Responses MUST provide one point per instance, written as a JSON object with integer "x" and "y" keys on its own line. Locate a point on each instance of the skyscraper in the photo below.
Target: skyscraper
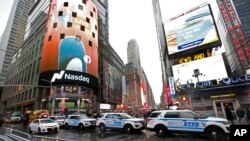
{"x": 133, "y": 53}
{"x": 234, "y": 18}
{"x": 243, "y": 11}
{"x": 14, "y": 33}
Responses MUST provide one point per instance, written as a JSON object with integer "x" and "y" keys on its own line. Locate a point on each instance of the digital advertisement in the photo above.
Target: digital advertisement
{"x": 194, "y": 28}
{"x": 71, "y": 39}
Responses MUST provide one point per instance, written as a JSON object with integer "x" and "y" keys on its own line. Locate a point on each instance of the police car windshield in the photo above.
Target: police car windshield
{"x": 84, "y": 116}
{"x": 126, "y": 116}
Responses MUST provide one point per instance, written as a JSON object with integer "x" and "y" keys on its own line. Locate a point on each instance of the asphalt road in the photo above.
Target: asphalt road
{"x": 96, "y": 135}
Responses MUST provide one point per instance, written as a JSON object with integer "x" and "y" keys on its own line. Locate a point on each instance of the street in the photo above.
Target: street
{"x": 96, "y": 135}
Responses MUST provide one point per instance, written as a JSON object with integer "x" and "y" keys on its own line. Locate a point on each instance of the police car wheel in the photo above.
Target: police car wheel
{"x": 66, "y": 126}
{"x": 128, "y": 129}
{"x": 214, "y": 133}
{"x": 161, "y": 131}
{"x": 102, "y": 127}
{"x": 80, "y": 126}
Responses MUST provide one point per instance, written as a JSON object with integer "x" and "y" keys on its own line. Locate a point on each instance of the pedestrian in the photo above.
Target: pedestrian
{"x": 1, "y": 120}
{"x": 229, "y": 114}
{"x": 25, "y": 119}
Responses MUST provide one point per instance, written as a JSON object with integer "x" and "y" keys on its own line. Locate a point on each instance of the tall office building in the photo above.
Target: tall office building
{"x": 234, "y": 17}
{"x": 133, "y": 53}
{"x": 14, "y": 33}
{"x": 243, "y": 12}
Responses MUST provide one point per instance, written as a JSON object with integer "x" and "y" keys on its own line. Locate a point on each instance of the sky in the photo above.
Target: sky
{"x": 133, "y": 19}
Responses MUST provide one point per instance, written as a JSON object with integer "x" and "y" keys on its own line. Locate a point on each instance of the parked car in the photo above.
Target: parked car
{"x": 121, "y": 121}
{"x": 43, "y": 125}
{"x": 15, "y": 118}
{"x": 58, "y": 119}
{"x": 79, "y": 121}
{"x": 165, "y": 122}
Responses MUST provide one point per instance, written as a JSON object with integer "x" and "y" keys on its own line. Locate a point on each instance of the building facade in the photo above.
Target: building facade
{"x": 35, "y": 90}
{"x": 232, "y": 90}
{"x": 13, "y": 34}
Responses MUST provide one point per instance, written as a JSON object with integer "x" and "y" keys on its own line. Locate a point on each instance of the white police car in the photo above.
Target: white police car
{"x": 186, "y": 121}
{"x": 80, "y": 121}
{"x": 120, "y": 121}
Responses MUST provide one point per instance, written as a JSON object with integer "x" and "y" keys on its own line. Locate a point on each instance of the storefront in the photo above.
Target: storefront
{"x": 210, "y": 97}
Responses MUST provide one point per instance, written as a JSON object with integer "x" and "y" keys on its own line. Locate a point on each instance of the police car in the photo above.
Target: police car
{"x": 185, "y": 121}
{"x": 79, "y": 121}
{"x": 121, "y": 121}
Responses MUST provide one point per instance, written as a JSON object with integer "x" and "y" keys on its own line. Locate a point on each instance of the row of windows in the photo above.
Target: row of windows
{"x": 66, "y": 4}
{"x": 78, "y": 38}
{"x": 24, "y": 96}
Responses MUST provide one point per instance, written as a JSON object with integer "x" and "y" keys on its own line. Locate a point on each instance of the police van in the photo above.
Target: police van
{"x": 165, "y": 122}
{"x": 121, "y": 121}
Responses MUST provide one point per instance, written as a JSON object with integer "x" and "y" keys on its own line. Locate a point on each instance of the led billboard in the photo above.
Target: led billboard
{"x": 112, "y": 84}
{"x": 191, "y": 29}
{"x": 71, "y": 39}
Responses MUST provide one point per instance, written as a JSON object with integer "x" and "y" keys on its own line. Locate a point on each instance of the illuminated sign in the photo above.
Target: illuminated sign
{"x": 71, "y": 39}
{"x": 236, "y": 33}
{"x": 191, "y": 29}
{"x": 216, "y": 82}
{"x": 196, "y": 56}
{"x": 68, "y": 77}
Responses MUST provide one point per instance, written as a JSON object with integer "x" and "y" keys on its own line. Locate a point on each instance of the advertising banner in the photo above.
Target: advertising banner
{"x": 71, "y": 38}
{"x": 167, "y": 95}
{"x": 112, "y": 84}
{"x": 194, "y": 28}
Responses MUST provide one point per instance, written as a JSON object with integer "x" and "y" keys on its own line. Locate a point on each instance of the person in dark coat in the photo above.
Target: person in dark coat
{"x": 229, "y": 114}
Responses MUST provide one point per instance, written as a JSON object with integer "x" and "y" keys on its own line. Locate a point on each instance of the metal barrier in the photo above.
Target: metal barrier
{"x": 42, "y": 138}
{"x": 16, "y": 135}
{"x": 4, "y": 130}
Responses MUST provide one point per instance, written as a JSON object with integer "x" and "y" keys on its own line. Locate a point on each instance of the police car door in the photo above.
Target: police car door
{"x": 190, "y": 122}
{"x": 109, "y": 120}
{"x": 73, "y": 121}
{"x": 171, "y": 121}
{"x": 118, "y": 122}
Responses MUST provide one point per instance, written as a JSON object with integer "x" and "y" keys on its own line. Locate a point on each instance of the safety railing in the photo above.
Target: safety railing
{"x": 42, "y": 138}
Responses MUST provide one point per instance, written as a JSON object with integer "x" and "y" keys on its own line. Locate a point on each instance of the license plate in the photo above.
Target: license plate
{"x": 52, "y": 128}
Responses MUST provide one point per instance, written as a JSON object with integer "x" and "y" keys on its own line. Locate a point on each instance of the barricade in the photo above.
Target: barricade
{"x": 42, "y": 138}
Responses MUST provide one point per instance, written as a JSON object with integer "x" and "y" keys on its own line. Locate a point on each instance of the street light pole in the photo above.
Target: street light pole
{"x": 53, "y": 99}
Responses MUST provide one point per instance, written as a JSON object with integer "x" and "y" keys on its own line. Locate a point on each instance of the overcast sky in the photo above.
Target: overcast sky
{"x": 133, "y": 19}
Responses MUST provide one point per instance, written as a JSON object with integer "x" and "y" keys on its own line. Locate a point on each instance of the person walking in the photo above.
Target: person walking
{"x": 229, "y": 114}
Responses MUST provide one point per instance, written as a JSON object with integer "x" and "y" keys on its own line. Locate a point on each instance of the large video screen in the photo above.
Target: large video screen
{"x": 71, "y": 38}
{"x": 194, "y": 28}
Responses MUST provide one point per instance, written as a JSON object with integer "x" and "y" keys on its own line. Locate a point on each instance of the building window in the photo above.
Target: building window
{"x": 54, "y": 25}
{"x": 93, "y": 34}
{"x": 50, "y": 38}
{"x": 62, "y": 36}
{"x": 78, "y": 38}
{"x": 66, "y": 4}
{"x": 82, "y": 28}
{"x": 90, "y": 43}
{"x": 80, "y": 7}
{"x": 87, "y": 20}
{"x": 94, "y": 9}
{"x": 84, "y": 1}
{"x": 69, "y": 24}
{"x": 91, "y": 14}
{"x": 74, "y": 14}
{"x": 60, "y": 13}
{"x": 95, "y": 27}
